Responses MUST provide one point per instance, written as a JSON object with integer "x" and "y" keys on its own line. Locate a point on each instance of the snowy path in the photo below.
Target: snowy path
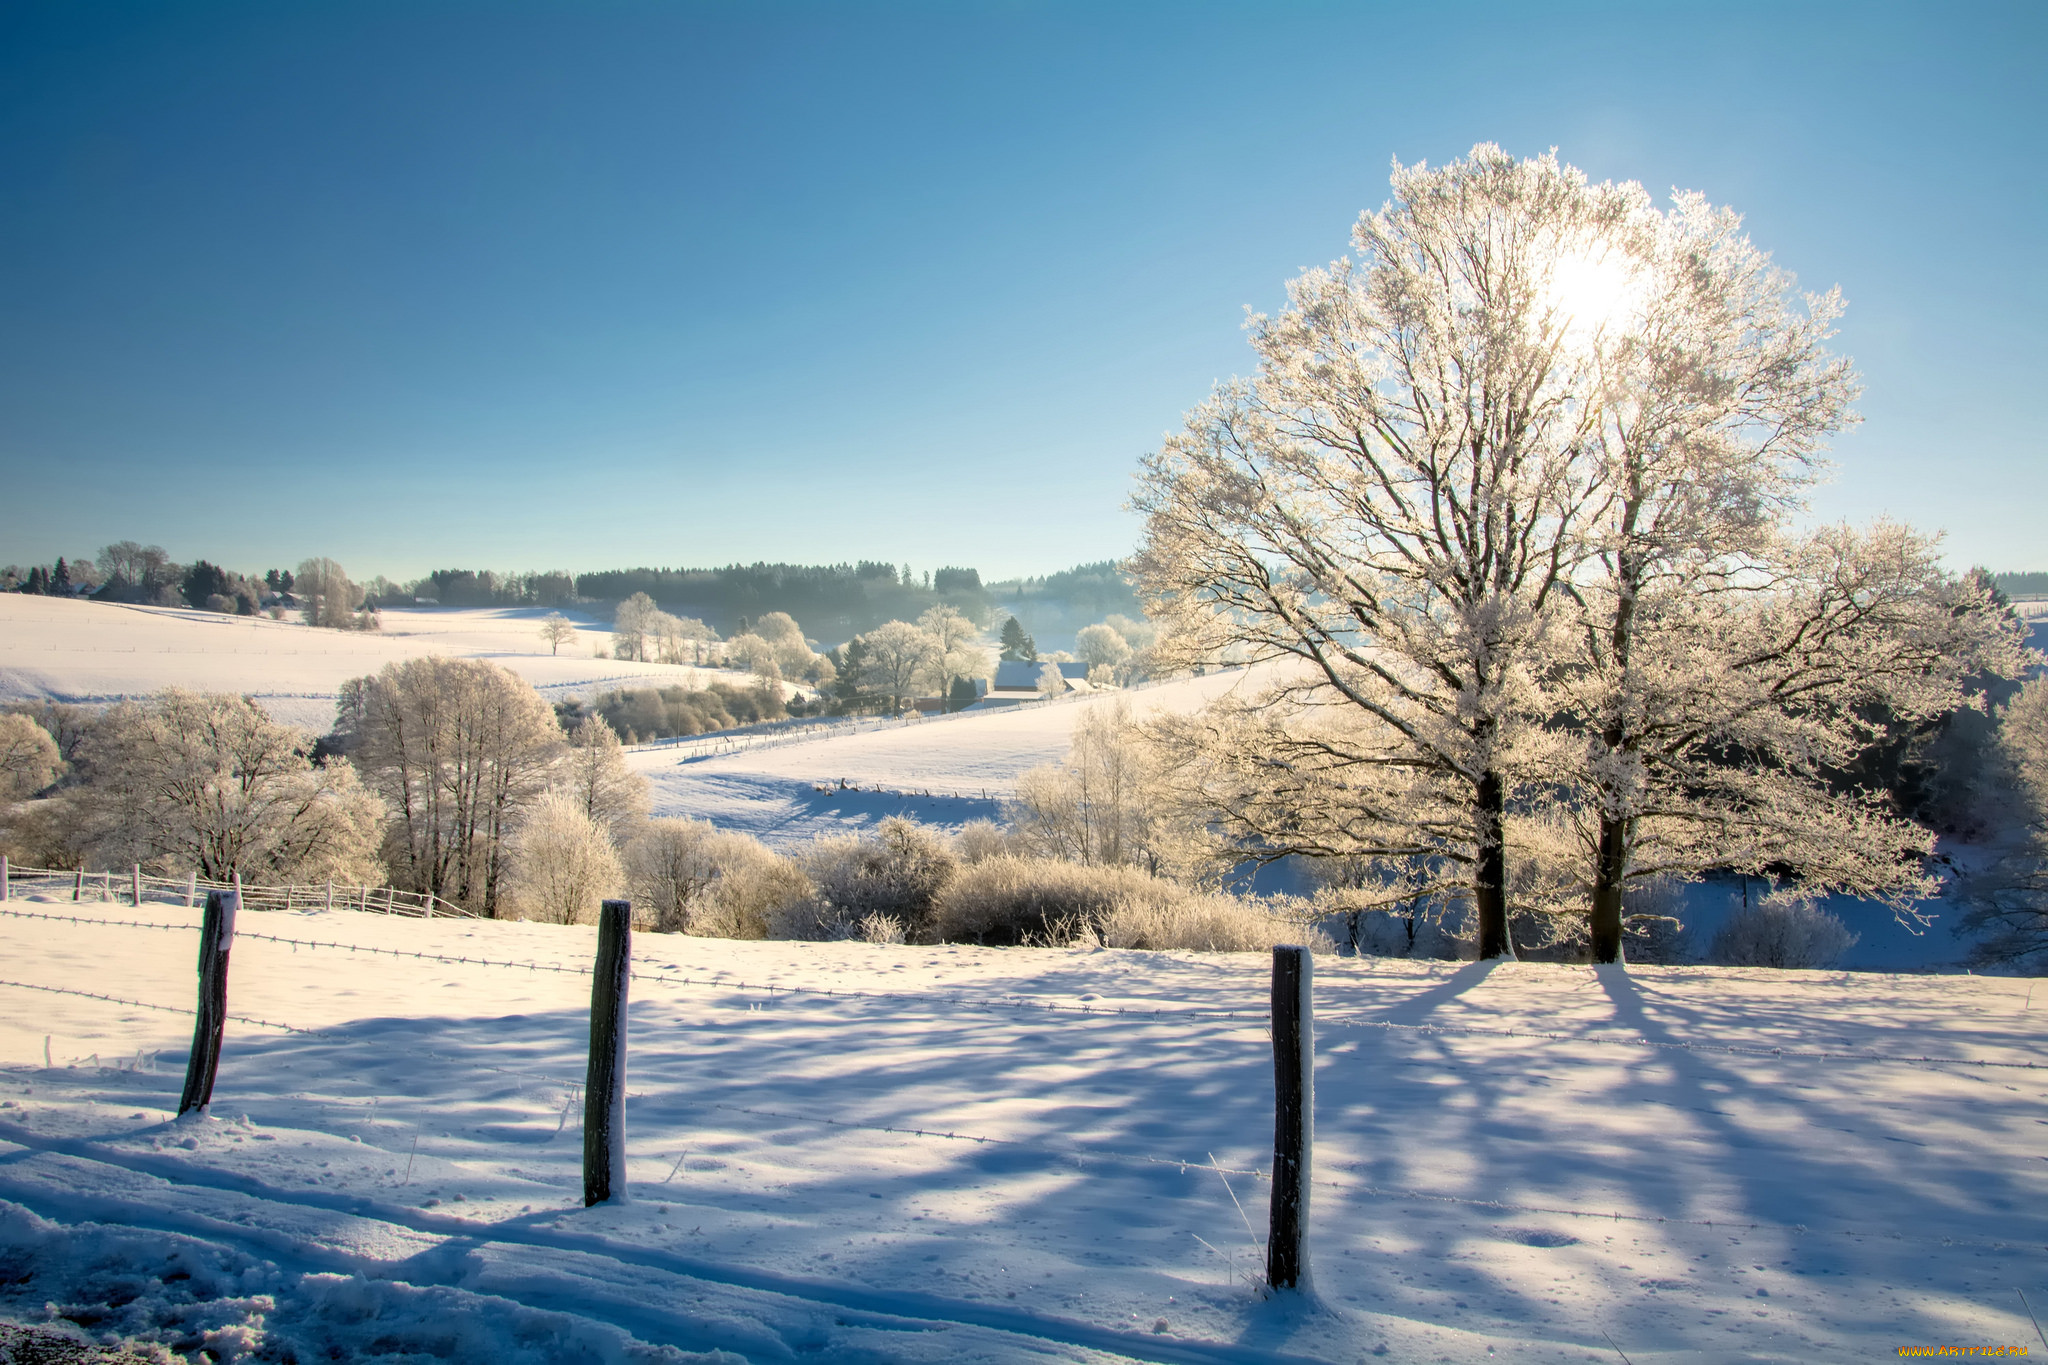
{"x": 971, "y": 1154}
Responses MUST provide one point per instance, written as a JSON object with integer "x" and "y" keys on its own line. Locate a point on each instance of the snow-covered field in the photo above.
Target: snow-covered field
{"x": 943, "y": 770}
{"x": 976, "y": 1154}
{"x": 73, "y": 651}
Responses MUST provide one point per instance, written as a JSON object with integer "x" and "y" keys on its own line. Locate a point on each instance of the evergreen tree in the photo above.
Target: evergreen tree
{"x": 1016, "y": 644}
{"x": 60, "y": 582}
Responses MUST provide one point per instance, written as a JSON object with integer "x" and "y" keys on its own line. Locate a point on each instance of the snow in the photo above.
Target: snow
{"x": 970, "y": 1154}
{"x": 72, "y": 651}
{"x": 942, "y": 770}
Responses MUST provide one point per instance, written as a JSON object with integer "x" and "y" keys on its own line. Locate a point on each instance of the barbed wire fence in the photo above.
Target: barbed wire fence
{"x": 593, "y": 1091}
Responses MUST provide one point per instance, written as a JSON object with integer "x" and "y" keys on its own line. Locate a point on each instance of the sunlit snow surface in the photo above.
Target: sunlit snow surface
{"x": 943, "y": 770}
{"x": 1704, "y": 1165}
{"x": 72, "y": 651}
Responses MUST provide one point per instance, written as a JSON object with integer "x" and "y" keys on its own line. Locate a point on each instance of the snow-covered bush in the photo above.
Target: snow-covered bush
{"x": 562, "y": 863}
{"x": 1006, "y": 900}
{"x": 894, "y": 873}
{"x": 980, "y": 840}
{"x": 685, "y": 876}
{"x": 1208, "y": 922}
{"x": 1780, "y": 934}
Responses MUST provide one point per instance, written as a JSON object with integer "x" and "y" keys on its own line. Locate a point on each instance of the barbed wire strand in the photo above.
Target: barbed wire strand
{"x": 1175, "y": 1016}
{"x": 1079, "y": 1153}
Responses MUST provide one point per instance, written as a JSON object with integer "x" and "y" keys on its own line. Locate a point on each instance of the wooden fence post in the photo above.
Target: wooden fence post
{"x": 604, "y": 1089}
{"x": 78, "y": 886}
{"x": 330, "y": 895}
{"x": 1294, "y": 1104}
{"x": 3, "y": 876}
{"x": 191, "y": 888}
{"x": 216, "y": 937}
{"x": 135, "y": 884}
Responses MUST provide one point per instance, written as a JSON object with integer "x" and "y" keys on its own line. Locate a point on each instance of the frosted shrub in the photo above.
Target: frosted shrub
{"x": 1206, "y": 922}
{"x": 1006, "y": 900}
{"x": 687, "y": 877}
{"x": 980, "y": 840}
{"x": 894, "y": 874}
{"x": 1792, "y": 934}
{"x": 562, "y": 863}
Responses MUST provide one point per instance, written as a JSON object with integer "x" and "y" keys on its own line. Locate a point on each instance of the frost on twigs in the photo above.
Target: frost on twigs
{"x": 1509, "y": 505}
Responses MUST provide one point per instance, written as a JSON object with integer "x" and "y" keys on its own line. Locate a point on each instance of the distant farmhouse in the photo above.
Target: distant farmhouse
{"x": 1018, "y": 680}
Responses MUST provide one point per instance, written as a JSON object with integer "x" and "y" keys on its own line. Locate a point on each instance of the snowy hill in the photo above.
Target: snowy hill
{"x": 970, "y": 1154}
{"x": 75, "y": 651}
{"x": 943, "y": 770}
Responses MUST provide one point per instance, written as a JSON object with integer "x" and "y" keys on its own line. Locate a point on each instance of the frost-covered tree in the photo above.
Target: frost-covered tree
{"x": 1390, "y": 506}
{"x": 1102, "y": 648}
{"x": 596, "y": 775}
{"x": 327, "y": 598}
{"x": 1720, "y": 661}
{"x": 458, "y": 749}
{"x": 897, "y": 656}
{"x": 207, "y": 782}
{"x": 2008, "y": 903}
{"x": 634, "y": 620}
{"x": 956, "y": 646}
{"x": 557, "y": 630}
{"x": 1105, "y": 805}
{"x": 1718, "y": 699}
{"x": 29, "y": 759}
{"x": 749, "y": 651}
{"x": 562, "y": 863}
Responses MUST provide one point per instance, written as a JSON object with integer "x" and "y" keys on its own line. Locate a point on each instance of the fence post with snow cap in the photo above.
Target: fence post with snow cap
{"x": 604, "y": 1089}
{"x": 3, "y": 876}
{"x": 135, "y": 884}
{"x": 216, "y": 937}
{"x": 1294, "y": 1103}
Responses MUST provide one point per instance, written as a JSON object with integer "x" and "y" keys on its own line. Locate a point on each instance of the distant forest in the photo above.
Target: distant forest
{"x": 833, "y": 601}
{"x": 2022, "y": 584}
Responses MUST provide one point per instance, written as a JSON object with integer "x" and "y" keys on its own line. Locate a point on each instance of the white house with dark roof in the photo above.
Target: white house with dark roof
{"x": 1016, "y": 680}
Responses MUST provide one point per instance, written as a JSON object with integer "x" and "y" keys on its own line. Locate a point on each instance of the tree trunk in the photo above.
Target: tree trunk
{"x": 1490, "y": 871}
{"x": 1607, "y": 879}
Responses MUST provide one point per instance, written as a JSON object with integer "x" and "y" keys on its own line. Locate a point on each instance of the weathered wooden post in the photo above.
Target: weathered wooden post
{"x": 191, "y": 888}
{"x": 604, "y": 1088}
{"x": 135, "y": 884}
{"x": 216, "y": 936}
{"x": 78, "y": 886}
{"x": 3, "y": 876}
{"x": 330, "y": 895}
{"x": 1294, "y": 1103}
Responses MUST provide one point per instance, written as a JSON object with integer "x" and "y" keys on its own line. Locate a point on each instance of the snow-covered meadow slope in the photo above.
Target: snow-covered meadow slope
{"x": 786, "y": 786}
{"x": 966, "y": 1154}
{"x": 72, "y": 651}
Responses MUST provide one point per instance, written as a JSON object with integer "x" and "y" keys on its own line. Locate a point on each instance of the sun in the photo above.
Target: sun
{"x": 1588, "y": 293}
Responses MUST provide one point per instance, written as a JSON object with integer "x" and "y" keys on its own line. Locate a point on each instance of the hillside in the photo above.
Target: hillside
{"x": 972, "y": 1154}
{"x": 72, "y": 651}
{"x": 943, "y": 770}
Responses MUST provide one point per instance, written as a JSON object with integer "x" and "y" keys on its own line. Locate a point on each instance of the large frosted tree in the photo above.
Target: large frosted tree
{"x": 1720, "y": 663}
{"x": 459, "y": 749}
{"x": 1513, "y": 495}
{"x": 1390, "y": 506}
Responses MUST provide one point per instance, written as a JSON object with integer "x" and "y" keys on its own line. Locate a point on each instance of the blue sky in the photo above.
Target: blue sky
{"x": 594, "y": 284}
